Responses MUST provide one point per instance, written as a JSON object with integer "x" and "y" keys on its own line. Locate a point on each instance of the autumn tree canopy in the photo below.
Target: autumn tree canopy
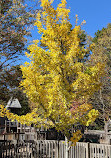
{"x": 56, "y": 80}
{"x": 102, "y": 53}
{"x": 16, "y": 18}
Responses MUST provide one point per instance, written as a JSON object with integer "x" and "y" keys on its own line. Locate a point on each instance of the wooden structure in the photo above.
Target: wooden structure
{"x": 54, "y": 149}
{"x": 13, "y": 105}
{"x": 103, "y": 137}
{"x": 31, "y": 133}
{"x": 6, "y": 126}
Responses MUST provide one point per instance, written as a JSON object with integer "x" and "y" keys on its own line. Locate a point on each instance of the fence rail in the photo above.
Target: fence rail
{"x": 53, "y": 149}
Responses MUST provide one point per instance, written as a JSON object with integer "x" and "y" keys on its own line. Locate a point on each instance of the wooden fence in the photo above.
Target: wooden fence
{"x": 100, "y": 151}
{"x": 53, "y": 149}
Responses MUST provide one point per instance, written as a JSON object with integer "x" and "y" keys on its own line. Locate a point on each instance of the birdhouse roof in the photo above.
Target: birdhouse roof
{"x": 13, "y": 103}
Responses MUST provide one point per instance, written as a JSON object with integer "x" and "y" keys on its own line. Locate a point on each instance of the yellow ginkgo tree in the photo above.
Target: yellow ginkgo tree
{"x": 56, "y": 79}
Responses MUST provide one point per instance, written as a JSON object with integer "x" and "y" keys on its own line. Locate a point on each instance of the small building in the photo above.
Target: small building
{"x": 14, "y": 130}
{"x": 13, "y": 105}
{"x": 99, "y": 136}
{"x": 6, "y": 126}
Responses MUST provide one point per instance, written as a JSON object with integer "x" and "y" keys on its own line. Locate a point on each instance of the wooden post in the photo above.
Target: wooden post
{"x": 88, "y": 150}
{"x": 9, "y": 125}
{"x": 17, "y": 126}
{"x": 5, "y": 126}
{"x": 1, "y": 151}
{"x": 66, "y": 143}
{"x": 57, "y": 150}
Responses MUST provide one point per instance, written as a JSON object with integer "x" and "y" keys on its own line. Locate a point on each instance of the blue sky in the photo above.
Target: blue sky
{"x": 96, "y": 13}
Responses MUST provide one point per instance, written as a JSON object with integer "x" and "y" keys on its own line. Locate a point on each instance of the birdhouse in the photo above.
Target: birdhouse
{"x": 13, "y": 105}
